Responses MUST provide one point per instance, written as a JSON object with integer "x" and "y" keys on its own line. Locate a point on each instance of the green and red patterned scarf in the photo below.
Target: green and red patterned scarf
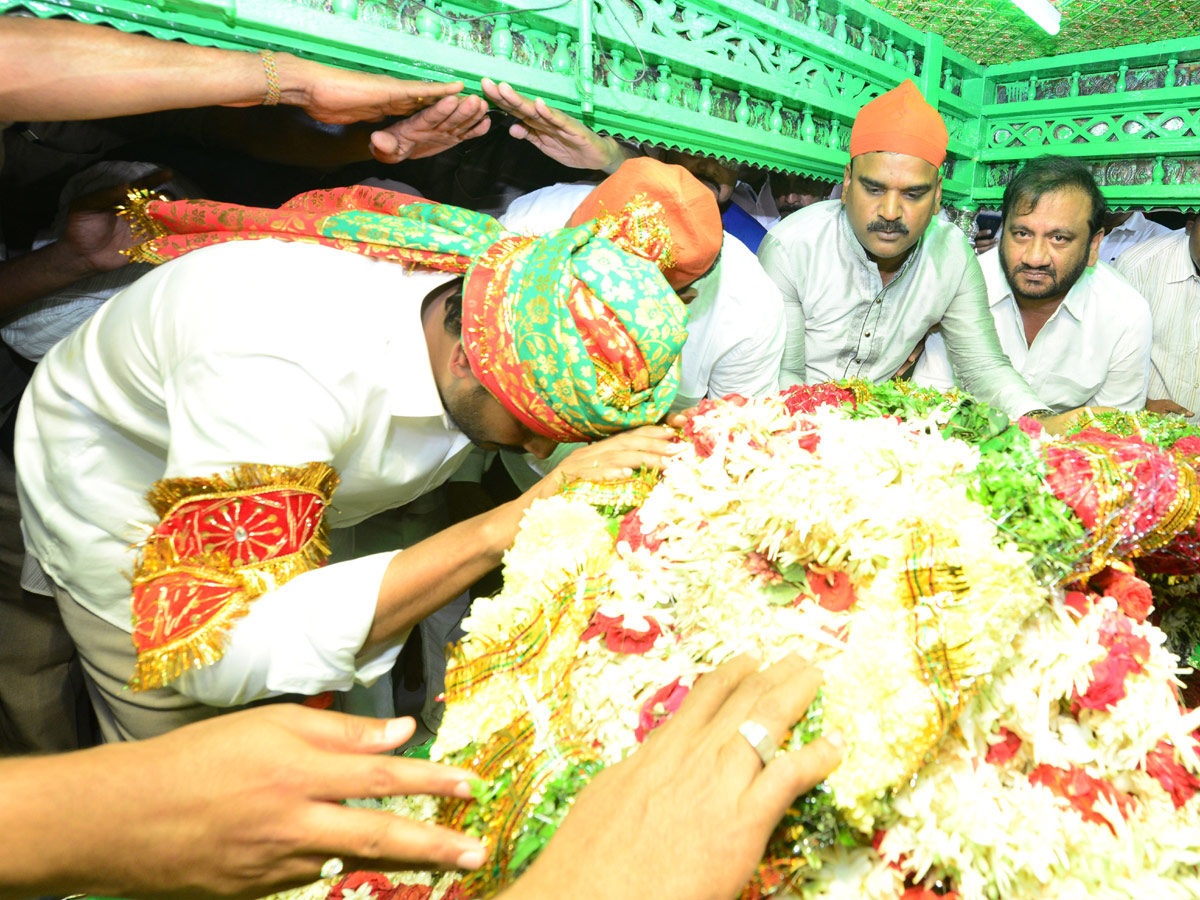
{"x": 577, "y": 337}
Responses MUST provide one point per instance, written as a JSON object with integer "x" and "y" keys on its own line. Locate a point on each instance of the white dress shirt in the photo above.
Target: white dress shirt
{"x": 1163, "y": 271}
{"x": 735, "y": 323}
{"x": 842, "y": 322}
{"x": 1094, "y": 350}
{"x": 1132, "y": 231}
{"x": 248, "y": 352}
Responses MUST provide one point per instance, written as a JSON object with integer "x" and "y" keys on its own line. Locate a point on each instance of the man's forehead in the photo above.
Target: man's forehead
{"x": 895, "y": 169}
{"x": 1065, "y": 207}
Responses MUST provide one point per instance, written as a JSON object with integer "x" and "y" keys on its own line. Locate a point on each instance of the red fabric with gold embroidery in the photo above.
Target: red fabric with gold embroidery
{"x": 222, "y": 542}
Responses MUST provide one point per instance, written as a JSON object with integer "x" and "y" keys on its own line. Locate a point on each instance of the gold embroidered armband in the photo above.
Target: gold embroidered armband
{"x": 222, "y": 542}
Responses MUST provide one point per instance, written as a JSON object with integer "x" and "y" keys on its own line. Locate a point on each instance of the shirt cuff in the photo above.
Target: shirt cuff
{"x": 305, "y": 637}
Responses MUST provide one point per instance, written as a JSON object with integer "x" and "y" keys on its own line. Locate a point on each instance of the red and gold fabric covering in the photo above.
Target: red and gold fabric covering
{"x": 577, "y": 337}
{"x": 222, "y": 542}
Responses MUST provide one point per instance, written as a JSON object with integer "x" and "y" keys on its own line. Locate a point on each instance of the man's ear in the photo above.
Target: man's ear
{"x": 459, "y": 363}
{"x": 937, "y": 191}
{"x": 845, "y": 183}
{"x": 1094, "y": 247}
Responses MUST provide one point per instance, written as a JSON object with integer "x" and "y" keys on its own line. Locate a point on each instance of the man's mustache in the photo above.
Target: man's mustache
{"x": 1040, "y": 270}
{"x": 886, "y": 227}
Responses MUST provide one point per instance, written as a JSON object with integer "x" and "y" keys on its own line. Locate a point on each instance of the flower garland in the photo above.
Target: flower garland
{"x": 1012, "y": 722}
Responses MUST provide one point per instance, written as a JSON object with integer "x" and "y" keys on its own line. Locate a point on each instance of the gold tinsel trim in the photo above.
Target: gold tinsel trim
{"x": 204, "y": 646}
{"x": 159, "y": 557}
{"x": 167, "y": 494}
{"x": 618, "y": 496}
{"x": 145, "y": 228}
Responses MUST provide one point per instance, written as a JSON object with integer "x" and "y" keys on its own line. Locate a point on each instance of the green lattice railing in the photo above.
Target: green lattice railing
{"x": 773, "y": 83}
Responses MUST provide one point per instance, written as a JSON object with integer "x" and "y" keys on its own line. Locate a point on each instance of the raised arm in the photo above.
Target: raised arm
{"x": 976, "y": 356}
{"x": 53, "y": 70}
{"x": 236, "y": 806}
{"x": 556, "y": 134}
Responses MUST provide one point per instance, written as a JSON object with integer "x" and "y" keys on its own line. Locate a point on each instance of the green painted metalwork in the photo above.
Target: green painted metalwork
{"x": 995, "y": 31}
{"x": 774, "y": 83}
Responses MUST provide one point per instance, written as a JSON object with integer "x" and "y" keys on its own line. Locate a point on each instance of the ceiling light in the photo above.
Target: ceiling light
{"x": 1043, "y": 12}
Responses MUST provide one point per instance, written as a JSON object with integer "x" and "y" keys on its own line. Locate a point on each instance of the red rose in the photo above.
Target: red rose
{"x": 1031, "y": 427}
{"x": 1082, "y": 791}
{"x": 806, "y": 398}
{"x": 1127, "y": 653}
{"x": 620, "y": 639}
{"x": 1107, "y": 687}
{"x": 630, "y": 531}
{"x": 1078, "y": 603}
{"x": 809, "y": 441}
{"x": 1131, "y": 593}
{"x": 1006, "y": 749}
{"x": 833, "y": 590}
{"x": 1174, "y": 778}
{"x": 1116, "y": 633}
{"x": 658, "y": 708}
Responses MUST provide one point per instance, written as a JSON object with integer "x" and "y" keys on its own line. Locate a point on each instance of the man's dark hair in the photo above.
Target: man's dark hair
{"x": 1052, "y": 173}
{"x": 453, "y": 321}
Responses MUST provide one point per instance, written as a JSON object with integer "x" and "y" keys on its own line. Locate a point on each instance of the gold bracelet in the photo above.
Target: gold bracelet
{"x": 272, "y": 73}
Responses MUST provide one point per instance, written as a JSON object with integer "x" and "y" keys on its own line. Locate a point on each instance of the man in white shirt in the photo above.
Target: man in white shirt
{"x": 1074, "y": 328}
{"x": 1125, "y": 230}
{"x": 223, "y": 385}
{"x": 735, "y": 313}
{"x": 865, "y": 278}
{"x": 1166, "y": 270}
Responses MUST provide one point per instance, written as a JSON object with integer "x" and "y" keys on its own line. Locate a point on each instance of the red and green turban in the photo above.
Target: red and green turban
{"x": 575, "y": 336}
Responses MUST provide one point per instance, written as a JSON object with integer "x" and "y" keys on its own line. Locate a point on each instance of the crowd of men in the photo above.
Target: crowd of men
{"x": 188, "y": 451}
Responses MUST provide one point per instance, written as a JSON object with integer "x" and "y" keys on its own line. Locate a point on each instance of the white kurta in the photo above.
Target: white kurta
{"x": 843, "y": 322}
{"x": 735, "y": 324}
{"x": 1094, "y": 350}
{"x": 249, "y": 352}
{"x": 1133, "y": 231}
{"x": 1163, "y": 271}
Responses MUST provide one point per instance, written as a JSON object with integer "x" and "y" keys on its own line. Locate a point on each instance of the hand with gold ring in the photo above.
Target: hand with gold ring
{"x": 698, "y": 800}
{"x": 611, "y": 459}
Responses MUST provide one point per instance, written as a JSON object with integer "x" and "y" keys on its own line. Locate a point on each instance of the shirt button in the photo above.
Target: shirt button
{"x": 878, "y": 299}
{"x": 857, "y": 362}
{"x": 868, "y": 334}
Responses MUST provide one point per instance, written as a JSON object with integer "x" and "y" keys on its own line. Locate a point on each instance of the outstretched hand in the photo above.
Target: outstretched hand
{"x": 448, "y": 122}
{"x": 691, "y": 810}
{"x": 1167, "y": 408}
{"x": 241, "y": 805}
{"x": 342, "y": 96}
{"x": 1063, "y": 422}
{"x": 611, "y": 459}
{"x": 552, "y": 131}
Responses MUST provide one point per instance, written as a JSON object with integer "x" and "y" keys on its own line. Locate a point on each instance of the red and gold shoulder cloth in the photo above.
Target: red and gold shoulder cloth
{"x": 222, "y": 541}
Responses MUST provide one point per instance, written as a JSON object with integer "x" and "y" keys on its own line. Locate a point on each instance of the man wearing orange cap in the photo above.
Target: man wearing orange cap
{"x": 735, "y": 314}
{"x": 864, "y": 280}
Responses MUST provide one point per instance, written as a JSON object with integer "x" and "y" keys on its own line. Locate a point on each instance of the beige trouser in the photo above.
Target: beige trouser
{"x": 108, "y": 658}
{"x": 43, "y": 707}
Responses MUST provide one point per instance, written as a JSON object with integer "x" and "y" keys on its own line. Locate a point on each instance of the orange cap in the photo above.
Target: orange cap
{"x": 900, "y": 121}
{"x": 689, "y": 208}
